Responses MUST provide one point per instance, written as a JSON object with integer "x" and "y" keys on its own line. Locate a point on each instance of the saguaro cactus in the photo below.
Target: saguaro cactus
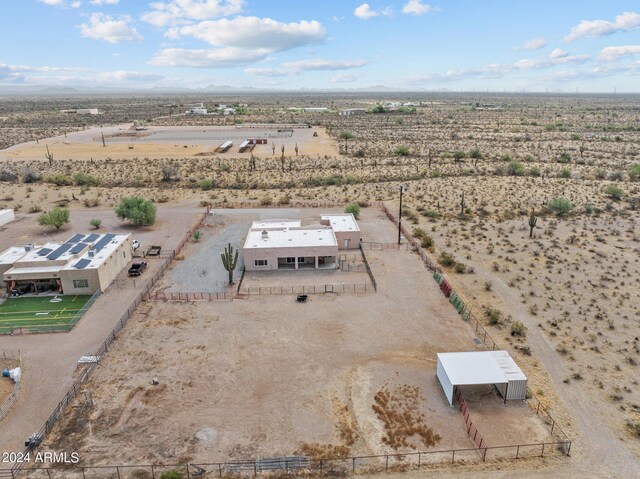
{"x": 462, "y": 204}
{"x": 533, "y": 219}
{"x": 229, "y": 260}
{"x": 49, "y": 156}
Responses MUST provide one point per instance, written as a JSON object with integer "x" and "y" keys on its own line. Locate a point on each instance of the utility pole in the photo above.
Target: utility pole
{"x": 400, "y": 215}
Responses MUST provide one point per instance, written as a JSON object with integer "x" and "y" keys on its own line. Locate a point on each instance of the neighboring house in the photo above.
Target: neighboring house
{"x": 6, "y": 216}
{"x": 286, "y": 244}
{"x": 353, "y": 111}
{"x": 83, "y": 264}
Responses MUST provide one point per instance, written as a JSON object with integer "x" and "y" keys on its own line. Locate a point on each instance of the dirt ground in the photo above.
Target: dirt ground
{"x": 267, "y": 376}
{"x": 169, "y": 142}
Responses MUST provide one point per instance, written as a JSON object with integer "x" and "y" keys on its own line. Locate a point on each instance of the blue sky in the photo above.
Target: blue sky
{"x": 290, "y": 44}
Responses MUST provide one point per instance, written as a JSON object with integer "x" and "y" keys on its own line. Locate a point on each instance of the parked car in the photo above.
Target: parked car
{"x": 135, "y": 244}
{"x": 137, "y": 268}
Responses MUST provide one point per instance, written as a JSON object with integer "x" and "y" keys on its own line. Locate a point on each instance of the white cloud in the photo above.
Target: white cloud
{"x": 110, "y": 29}
{"x": 346, "y": 77}
{"x": 104, "y": 2}
{"x": 533, "y": 44}
{"x": 52, "y": 2}
{"x": 178, "y": 11}
{"x": 254, "y": 33}
{"x": 62, "y": 3}
{"x": 611, "y": 54}
{"x": 122, "y": 75}
{"x": 218, "y": 58}
{"x": 416, "y": 7}
{"x": 364, "y": 12}
{"x": 299, "y": 66}
{"x": 598, "y": 28}
{"x": 558, "y": 53}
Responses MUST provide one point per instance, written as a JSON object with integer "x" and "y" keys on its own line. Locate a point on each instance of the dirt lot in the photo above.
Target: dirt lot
{"x": 347, "y": 366}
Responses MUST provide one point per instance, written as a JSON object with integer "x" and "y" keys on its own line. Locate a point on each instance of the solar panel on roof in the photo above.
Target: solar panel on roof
{"x": 62, "y": 249}
{"x": 75, "y": 238}
{"x": 91, "y": 238}
{"x": 44, "y": 251}
{"x": 104, "y": 241}
{"x": 82, "y": 264}
{"x": 78, "y": 248}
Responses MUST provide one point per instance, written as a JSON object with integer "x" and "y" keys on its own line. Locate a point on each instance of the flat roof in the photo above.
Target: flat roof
{"x": 266, "y": 224}
{"x": 291, "y": 238}
{"x": 480, "y": 367}
{"x": 31, "y": 270}
{"x": 342, "y": 221}
{"x": 65, "y": 254}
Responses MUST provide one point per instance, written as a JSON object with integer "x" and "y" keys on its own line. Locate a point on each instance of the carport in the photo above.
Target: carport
{"x": 481, "y": 368}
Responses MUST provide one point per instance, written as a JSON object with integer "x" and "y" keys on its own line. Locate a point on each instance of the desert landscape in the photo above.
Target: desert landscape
{"x": 528, "y": 204}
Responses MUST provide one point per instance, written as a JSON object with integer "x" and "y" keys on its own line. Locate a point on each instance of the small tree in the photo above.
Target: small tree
{"x": 139, "y": 211}
{"x": 560, "y": 206}
{"x": 229, "y": 260}
{"x": 196, "y": 235}
{"x": 354, "y": 209}
{"x": 515, "y": 168}
{"x": 402, "y": 151}
{"x": 56, "y": 218}
{"x": 95, "y": 222}
{"x": 346, "y": 136}
{"x": 458, "y": 155}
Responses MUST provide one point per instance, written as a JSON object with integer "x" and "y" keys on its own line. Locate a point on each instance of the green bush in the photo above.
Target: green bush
{"x": 58, "y": 180}
{"x": 564, "y": 173}
{"x": 354, "y": 209}
{"x": 560, "y": 206}
{"x": 95, "y": 222}
{"x": 564, "y": 157}
{"x": 518, "y": 329}
{"x": 175, "y": 474}
{"x": 447, "y": 259}
{"x": 84, "y": 179}
{"x": 534, "y": 171}
{"x": 426, "y": 241}
{"x": 136, "y": 209}
{"x": 402, "y": 151}
{"x": 56, "y": 218}
{"x": 515, "y": 168}
{"x": 634, "y": 172}
{"x": 460, "y": 268}
{"x": 431, "y": 214}
{"x": 494, "y": 316}
{"x": 614, "y": 192}
{"x": 206, "y": 185}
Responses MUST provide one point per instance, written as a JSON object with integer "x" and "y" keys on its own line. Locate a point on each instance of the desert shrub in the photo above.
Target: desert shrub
{"x": 564, "y": 157}
{"x": 601, "y": 174}
{"x": 476, "y": 154}
{"x": 560, "y": 206}
{"x": 447, "y": 259}
{"x": 57, "y": 217}
{"x": 426, "y": 241}
{"x": 588, "y": 208}
{"x": 402, "y": 151}
{"x": 354, "y": 209}
{"x": 564, "y": 173}
{"x": 431, "y": 214}
{"x": 634, "y": 172}
{"x": 494, "y": 316}
{"x": 284, "y": 200}
{"x": 418, "y": 233}
{"x": 518, "y": 329}
{"x": 359, "y": 153}
{"x": 614, "y": 192}
{"x": 91, "y": 202}
{"x": 435, "y": 174}
{"x": 84, "y": 179}
{"x": 169, "y": 171}
{"x": 196, "y": 235}
{"x": 534, "y": 171}
{"x": 460, "y": 268}
{"x": 58, "y": 180}
{"x": 95, "y": 222}
{"x": 174, "y": 474}
{"x": 8, "y": 176}
{"x": 634, "y": 427}
{"x": 30, "y": 176}
{"x": 266, "y": 201}
{"x": 616, "y": 176}
{"x": 136, "y": 209}
{"x": 35, "y": 209}
{"x": 515, "y": 168}
{"x": 206, "y": 185}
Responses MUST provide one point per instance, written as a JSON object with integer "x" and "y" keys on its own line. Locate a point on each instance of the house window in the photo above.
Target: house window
{"x": 301, "y": 259}
{"x": 80, "y": 283}
{"x": 260, "y": 262}
{"x": 291, "y": 260}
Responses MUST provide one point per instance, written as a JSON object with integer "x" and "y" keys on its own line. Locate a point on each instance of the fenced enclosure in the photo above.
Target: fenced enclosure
{"x": 313, "y": 289}
{"x": 181, "y": 297}
{"x": 12, "y": 355}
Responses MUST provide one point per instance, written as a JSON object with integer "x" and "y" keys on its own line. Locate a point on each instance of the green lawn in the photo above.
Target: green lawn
{"x": 39, "y": 313}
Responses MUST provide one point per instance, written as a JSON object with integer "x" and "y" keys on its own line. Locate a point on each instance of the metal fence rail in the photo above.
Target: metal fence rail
{"x": 178, "y": 297}
{"x": 313, "y": 289}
